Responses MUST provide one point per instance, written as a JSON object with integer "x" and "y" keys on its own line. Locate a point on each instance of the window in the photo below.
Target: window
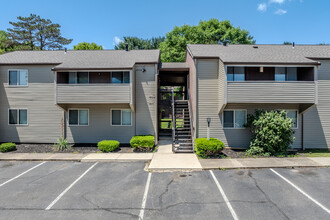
{"x": 121, "y": 117}
{"x": 285, "y": 74}
{"x": 234, "y": 118}
{"x": 280, "y": 73}
{"x": 18, "y": 117}
{"x": 78, "y": 77}
{"x": 293, "y": 114}
{"x": 18, "y": 77}
{"x": 235, "y": 74}
{"x": 78, "y": 116}
{"x": 120, "y": 77}
{"x": 292, "y": 73}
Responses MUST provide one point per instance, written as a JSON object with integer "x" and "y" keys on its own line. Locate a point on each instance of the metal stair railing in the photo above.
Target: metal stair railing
{"x": 191, "y": 123}
{"x": 173, "y": 122}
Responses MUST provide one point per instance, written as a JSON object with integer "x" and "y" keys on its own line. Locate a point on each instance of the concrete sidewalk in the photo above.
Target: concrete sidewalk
{"x": 92, "y": 157}
{"x": 254, "y": 163}
{"x": 165, "y": 160}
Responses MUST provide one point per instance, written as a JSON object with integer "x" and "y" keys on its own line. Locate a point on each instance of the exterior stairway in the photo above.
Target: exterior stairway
{"x": 182, "y": 136}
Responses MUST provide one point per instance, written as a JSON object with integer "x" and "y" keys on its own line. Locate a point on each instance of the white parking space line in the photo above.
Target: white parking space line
{"x": 232, "y": 211}
{"x": 69, "y": 187}
{"x": 145, "y": 196}
{"x": 300, "y": 190}
{"x": 22, "y": 173}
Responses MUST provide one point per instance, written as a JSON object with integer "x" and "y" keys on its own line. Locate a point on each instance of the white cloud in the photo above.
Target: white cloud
{"x": 117, "y": 40}
{"x": 280, "y": 12}
{"x": 277, "y": 1}
{"x": 262, "y": 7}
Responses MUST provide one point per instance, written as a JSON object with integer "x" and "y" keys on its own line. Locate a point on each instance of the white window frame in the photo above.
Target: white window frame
{"x": 129, "y": 75}
{"x": 223, "y": 121}
{"x": 295, "y": 128}
{"x": 18, "y": 124}
{"x": 17, "y": 70}
{"x": 68, "y": 119}
{"x": 121, "y": 117}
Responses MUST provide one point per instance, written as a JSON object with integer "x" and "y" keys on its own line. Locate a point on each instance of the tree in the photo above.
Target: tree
{"x": 135, "y": 43}
{"x": 287, "y": 43}
{"x": 212, "y": 31}
{"x": 5, "y": 42}
{"x": 38, "y": 33}
{"x": 87, "y": 46}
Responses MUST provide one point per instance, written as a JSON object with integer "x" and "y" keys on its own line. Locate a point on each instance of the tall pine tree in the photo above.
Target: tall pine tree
{"x": 38, "y": 33}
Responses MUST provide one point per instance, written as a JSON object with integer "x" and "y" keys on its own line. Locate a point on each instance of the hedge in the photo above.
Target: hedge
{"x": 143, "y": 142}
{"x": 6, "y": 147}
{"x": 108, "y": 145}
{"x": 205, "y": 148}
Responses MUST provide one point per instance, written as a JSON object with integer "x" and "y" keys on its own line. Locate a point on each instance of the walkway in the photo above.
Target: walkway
{"x": 165, "y": 160}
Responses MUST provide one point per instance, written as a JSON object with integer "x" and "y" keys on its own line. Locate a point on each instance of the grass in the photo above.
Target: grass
{"x": 165, "y": 121}
{"x": 316, "y": 153}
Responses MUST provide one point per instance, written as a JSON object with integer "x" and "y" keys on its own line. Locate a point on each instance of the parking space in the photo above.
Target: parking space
{"x": 70, "y": 190}
{"x": 184, "y": 196}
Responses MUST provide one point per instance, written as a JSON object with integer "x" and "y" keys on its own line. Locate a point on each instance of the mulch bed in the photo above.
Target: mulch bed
{"x": 79, "y": 148}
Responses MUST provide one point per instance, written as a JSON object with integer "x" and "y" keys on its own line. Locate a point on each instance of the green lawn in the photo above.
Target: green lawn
{"x": 164, "y": 123}
{"x": 316, "y": 153}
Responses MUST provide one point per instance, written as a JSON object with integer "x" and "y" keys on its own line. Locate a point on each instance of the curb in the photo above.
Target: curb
{"x": 269, "y": 167}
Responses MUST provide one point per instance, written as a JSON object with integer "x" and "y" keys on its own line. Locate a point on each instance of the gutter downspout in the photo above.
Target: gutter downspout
{"x": 302, "y": 132}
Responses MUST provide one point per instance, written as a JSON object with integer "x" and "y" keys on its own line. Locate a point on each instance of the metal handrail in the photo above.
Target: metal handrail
{"x": 173, "y": 122}
{"x": 191, "y": 115}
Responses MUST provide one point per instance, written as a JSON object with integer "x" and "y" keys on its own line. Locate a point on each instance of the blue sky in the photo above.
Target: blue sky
{"x": 104, "y": 22}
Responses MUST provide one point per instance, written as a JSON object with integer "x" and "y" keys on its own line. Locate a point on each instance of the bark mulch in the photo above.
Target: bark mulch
{"x": 81, "y": 148}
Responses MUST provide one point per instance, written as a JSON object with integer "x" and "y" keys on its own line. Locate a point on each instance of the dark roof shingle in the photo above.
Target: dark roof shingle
{"x": 300, "y": 54}
{"x": 83, "y": 59}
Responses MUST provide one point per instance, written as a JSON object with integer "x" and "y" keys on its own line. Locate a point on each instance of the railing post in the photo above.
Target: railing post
{"x": 173, "y": 122}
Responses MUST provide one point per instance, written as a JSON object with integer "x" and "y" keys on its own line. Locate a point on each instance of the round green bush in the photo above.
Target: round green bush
{"x": 205, "y": 148}
{"x": 108, "y": 145}
{"x": 6, "y": 147}
{"x": 271, "y": 131}
{"x": 143, "y": 142}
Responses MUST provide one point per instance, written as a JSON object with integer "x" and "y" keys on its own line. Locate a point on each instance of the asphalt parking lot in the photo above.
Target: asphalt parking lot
{"x": 73, "y": 190}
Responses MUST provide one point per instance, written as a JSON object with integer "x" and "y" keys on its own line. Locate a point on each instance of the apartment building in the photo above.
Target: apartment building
{"x": 88, "y": 96}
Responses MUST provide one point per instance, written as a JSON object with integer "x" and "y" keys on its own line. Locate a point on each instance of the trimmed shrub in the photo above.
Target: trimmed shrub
{"x": 6, "y": 147}
{"x": 108, "y": 145}
{"x": 143, "y": 142}
{"x": 205, "y": 148}
{"x": 271, "y": 131}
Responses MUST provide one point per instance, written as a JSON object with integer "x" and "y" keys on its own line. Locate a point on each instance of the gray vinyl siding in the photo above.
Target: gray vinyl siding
{"x": 208, "y": 86}
{"x": 271, "y": 92}
{"x": 222, "y": 85}
{"x": 241, "y": 137}
{"x": 44, "y": 117}
{"x": 99, "y": 127}
{"x": 317, "y": 120}
{"x": 207, "y": 96}
{"x": 145, "y": 102}
{"x": 96, "y": 93}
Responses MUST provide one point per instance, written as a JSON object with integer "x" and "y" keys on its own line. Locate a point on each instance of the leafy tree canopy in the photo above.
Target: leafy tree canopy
{"x": 135, "y": 43}
{"x": 87, "y": 46}
{"x": 38, "y": 33}
{"x": 212, "y": 31}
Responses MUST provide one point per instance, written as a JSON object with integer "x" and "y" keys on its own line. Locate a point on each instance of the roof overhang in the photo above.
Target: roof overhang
{"x": 273, "y": 63}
